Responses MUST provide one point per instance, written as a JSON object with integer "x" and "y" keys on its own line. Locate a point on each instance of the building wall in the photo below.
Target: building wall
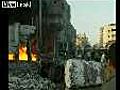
{"x": 52, "y": 21}
{"x": 108, "y": 33}
{"x": 19, "y": 17}
{"x": 100, "y": 37}
{"x": 56, "y": 19}
{"x": 13, "y": 36}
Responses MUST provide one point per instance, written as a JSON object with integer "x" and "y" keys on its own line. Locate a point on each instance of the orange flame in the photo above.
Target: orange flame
{"x": 24, "y": 56}
{"x": 23, "y": 53}
{"x": 34, "y": 57}
{"x": 11, "y": 56}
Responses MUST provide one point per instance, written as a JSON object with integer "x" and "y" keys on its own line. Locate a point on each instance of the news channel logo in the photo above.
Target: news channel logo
{"x": 15, "y": 4}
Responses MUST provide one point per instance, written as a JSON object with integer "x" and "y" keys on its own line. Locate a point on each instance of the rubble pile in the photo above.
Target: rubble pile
{"x": 30, "y": 82}
{"x": 26, "y": 76}
{"x": 97, "y": 72}
{"x": 81, "y": 73}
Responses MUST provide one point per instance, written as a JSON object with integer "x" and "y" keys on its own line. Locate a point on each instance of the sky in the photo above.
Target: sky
{"x": 89, "y": 15}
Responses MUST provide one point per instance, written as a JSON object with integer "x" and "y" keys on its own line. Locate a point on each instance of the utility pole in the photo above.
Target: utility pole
{"x": 40, "y": 24}
{"x": 54, "y": 57}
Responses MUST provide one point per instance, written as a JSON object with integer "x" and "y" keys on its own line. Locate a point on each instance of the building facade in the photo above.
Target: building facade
{"x": 22, "y": 21}
{"x": 53, "y": 30}
{"x": 107, "y": 35}
{"x": 56, "y": 24}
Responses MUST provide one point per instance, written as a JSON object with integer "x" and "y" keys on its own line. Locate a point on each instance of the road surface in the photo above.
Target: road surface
{"x": 111, "y": 85}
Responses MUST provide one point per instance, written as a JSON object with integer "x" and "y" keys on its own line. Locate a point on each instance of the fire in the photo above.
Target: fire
{"x": 23, "y": 53}
{"x": 24, "y": 56}
{"x": 11, "y": 56}
{"x": 34, "y": 57}
{"x": 34, "y": 53}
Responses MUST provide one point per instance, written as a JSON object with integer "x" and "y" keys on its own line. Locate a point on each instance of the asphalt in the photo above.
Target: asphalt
{"x": 110, "y": 85}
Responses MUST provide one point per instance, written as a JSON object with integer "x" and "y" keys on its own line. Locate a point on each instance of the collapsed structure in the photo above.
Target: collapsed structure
{"x": 41, "y": 33}
{"x": 81, "y": 73}
{"x": 44, "y": 29}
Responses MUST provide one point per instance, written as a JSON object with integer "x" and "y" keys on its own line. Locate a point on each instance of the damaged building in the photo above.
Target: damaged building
{"x": 41, "y": 33}
{"x": 44, "y": 29}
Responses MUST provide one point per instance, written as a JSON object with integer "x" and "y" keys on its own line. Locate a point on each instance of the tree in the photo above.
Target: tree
{"x": 81, "y": 40}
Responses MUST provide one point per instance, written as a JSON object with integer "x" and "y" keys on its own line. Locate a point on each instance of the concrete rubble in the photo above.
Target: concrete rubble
{"x": 24, "y": 76}
{"x": 81, "y": 73}
{"x": 30, "y": 82}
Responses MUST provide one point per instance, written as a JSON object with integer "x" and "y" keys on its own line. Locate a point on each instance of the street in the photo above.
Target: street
{"x": 111, "y": 85}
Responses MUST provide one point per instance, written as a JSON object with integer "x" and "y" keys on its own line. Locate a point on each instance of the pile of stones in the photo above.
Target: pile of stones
{"x": 30, "y": 82}
{"x": 26, "y": 76}
{"x": 81, "y": 73}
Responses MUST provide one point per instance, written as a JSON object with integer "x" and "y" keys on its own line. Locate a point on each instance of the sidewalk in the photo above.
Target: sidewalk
{"x": 110, "y": 85}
